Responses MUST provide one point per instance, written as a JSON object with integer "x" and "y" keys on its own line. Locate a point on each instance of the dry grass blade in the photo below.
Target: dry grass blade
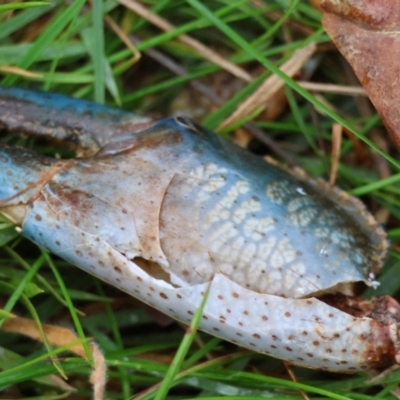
{"x": 11, "y": 69}
{"x": 124, "y": 38}
{"x": 59, "y": 336}
{"x": 330, "y": 88}
{"x": 270, "y": 86}
{"x": 203, "y": 50}
{"x": 378, "y": 376}
{"x": 337, "y": 131}
{"x": 294, "y": 379}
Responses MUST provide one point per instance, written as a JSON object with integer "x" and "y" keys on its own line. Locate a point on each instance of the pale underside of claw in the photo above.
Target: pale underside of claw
{"x": 307, "y": 332}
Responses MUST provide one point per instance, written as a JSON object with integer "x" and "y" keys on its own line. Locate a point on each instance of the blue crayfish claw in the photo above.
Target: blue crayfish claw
{"x": 163, "y": 210}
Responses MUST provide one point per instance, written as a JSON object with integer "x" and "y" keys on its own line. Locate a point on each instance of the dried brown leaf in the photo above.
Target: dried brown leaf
{"x": 367, "y": 34}
{"x": 59, "y": 336}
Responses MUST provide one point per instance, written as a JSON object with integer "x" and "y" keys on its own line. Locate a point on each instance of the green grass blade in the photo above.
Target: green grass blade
{"x": 99, "y": 59}
{"x": 45, "y": 39}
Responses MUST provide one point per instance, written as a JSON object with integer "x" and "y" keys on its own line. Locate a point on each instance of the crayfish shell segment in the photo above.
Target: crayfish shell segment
{"x": 357, "y": 212}
{"x": 266, "y": 228}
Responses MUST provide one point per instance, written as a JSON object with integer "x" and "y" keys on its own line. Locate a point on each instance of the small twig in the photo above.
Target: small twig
{"x": 204, "y": 51}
